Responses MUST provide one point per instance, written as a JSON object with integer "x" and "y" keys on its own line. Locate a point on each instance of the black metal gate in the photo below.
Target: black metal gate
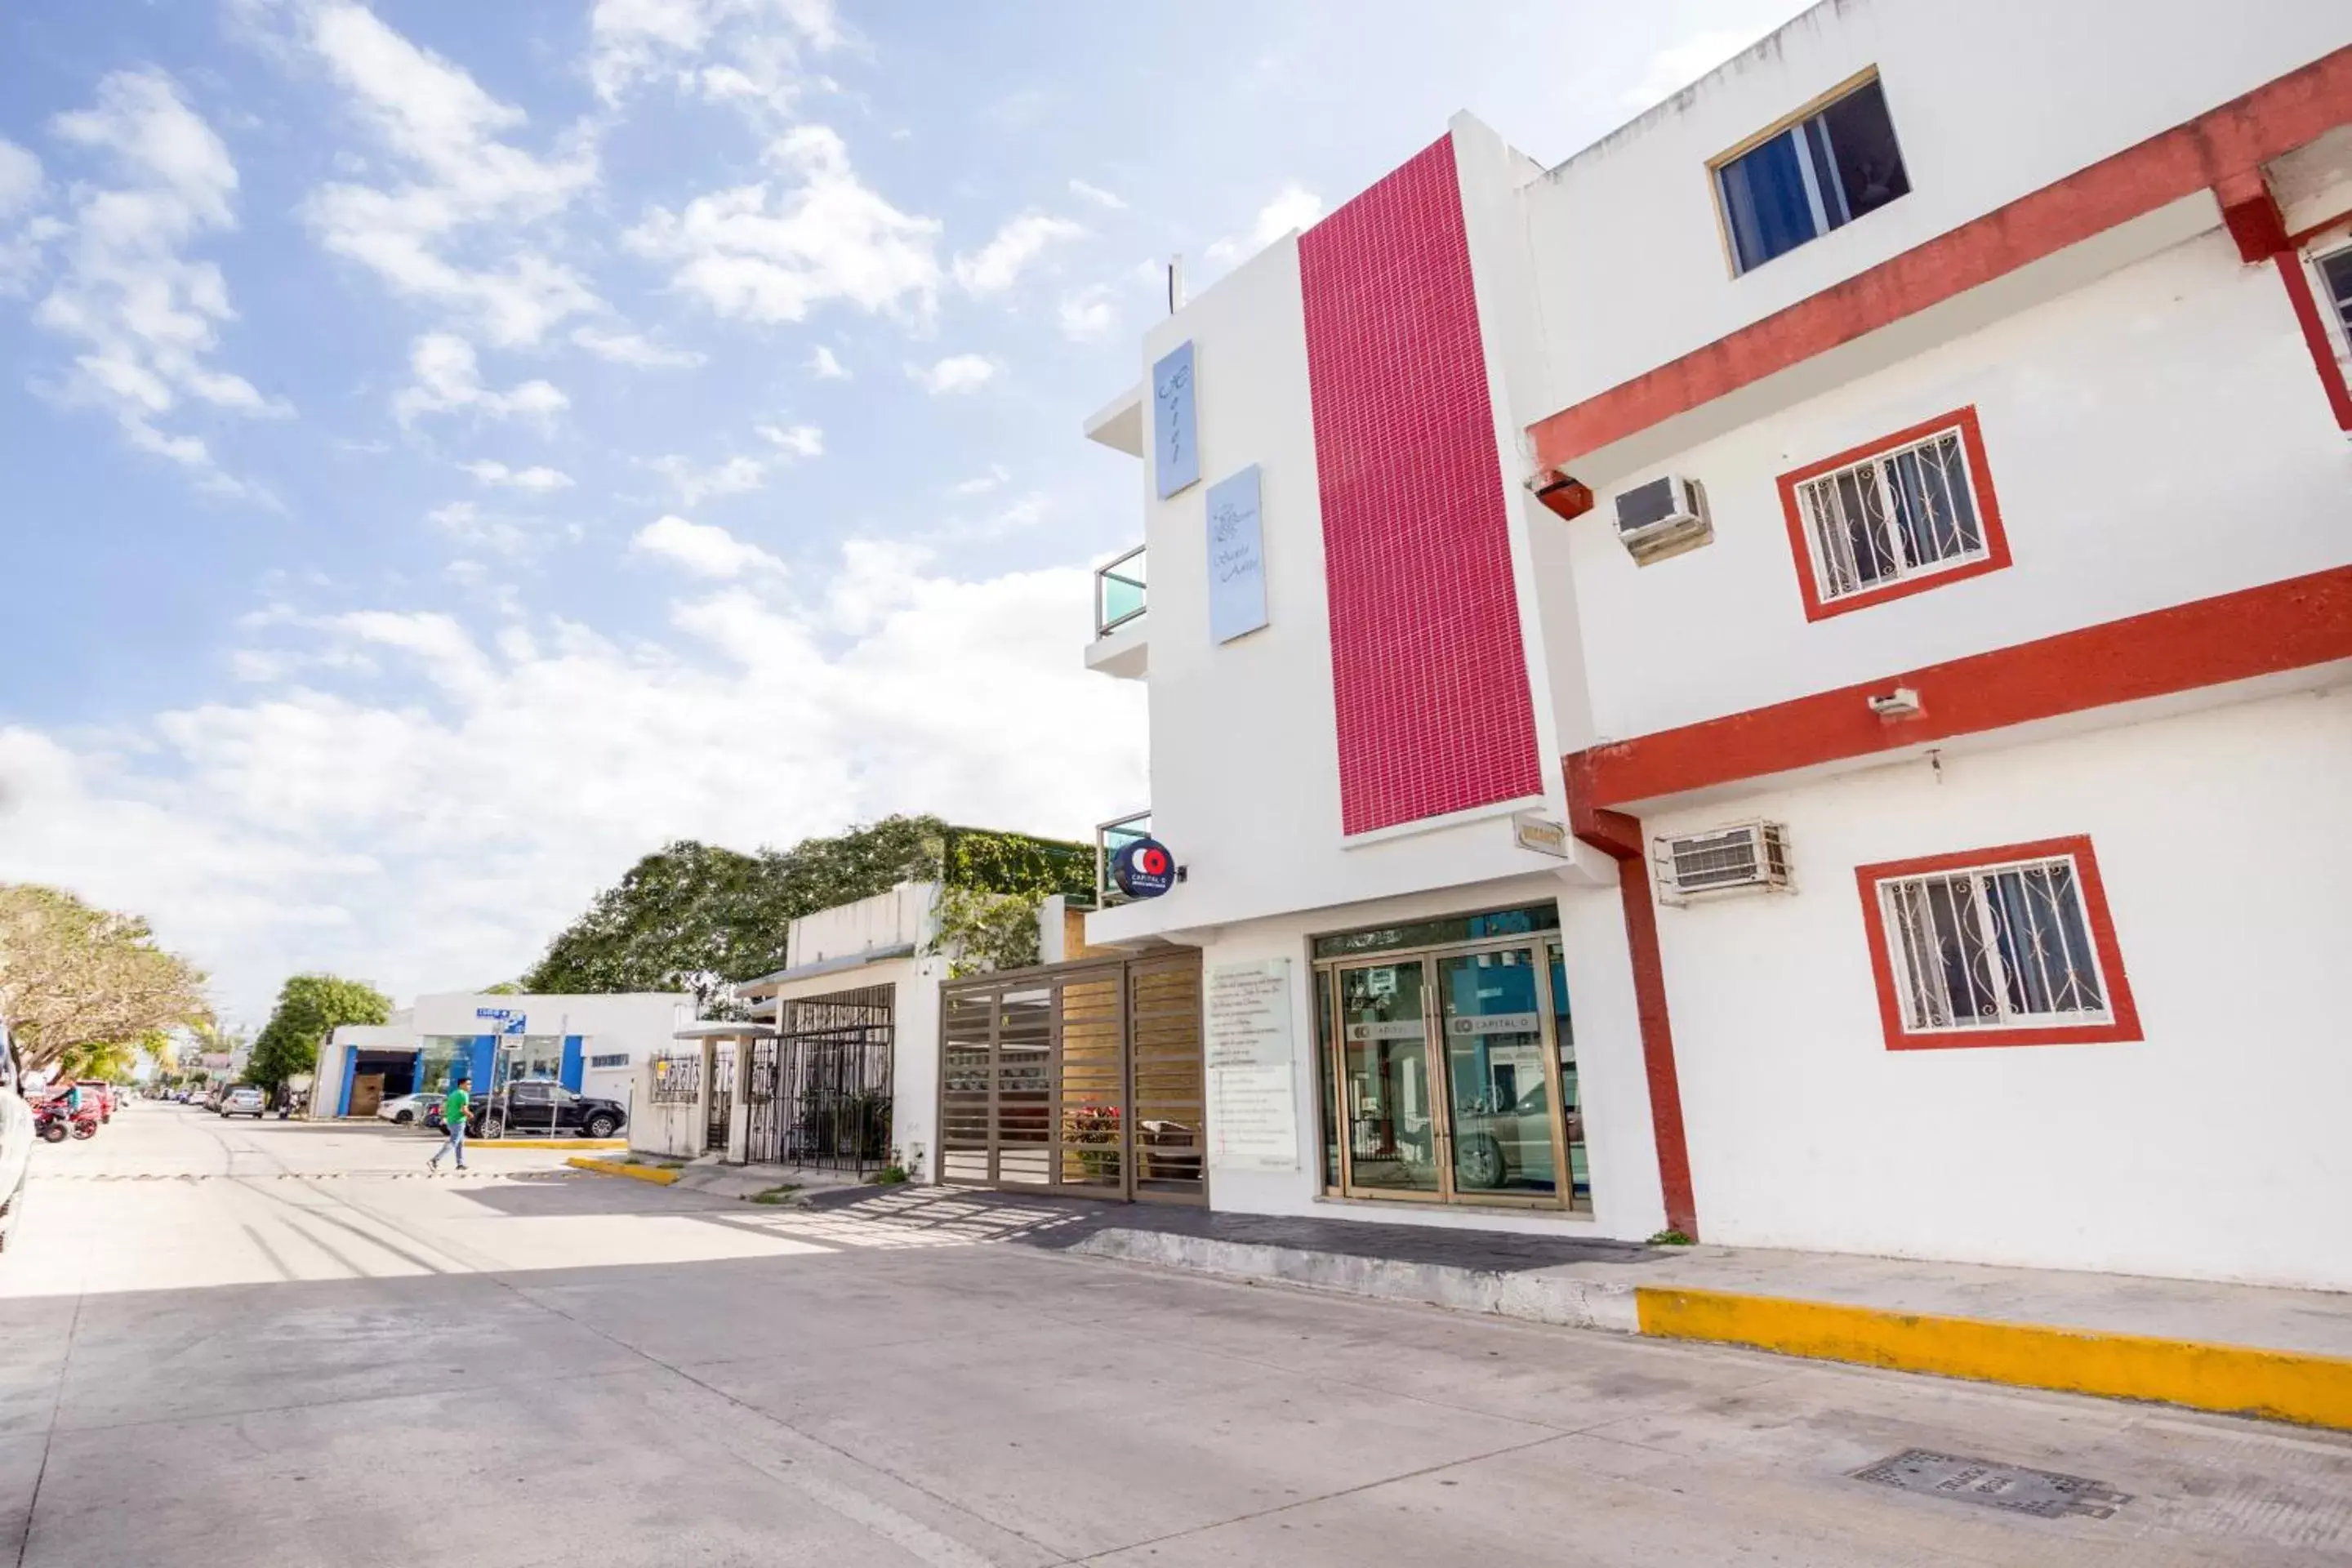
{"x": 1082, "y": 1078}
{"x": 821, "y": 1091}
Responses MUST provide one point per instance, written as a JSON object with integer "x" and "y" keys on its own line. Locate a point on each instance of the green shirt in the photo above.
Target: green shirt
{"x": 453, "y": 1105}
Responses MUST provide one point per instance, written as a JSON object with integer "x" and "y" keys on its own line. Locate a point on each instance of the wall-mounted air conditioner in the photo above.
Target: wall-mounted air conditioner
{"x": 1747, "y": 856}
{"x": 1663, "y": 518}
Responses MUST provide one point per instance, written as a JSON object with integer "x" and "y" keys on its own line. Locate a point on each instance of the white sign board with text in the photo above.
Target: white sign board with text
{"x": 1249, "y": 1053}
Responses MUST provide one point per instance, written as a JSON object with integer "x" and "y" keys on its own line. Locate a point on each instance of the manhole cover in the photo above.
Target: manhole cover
{"x": 2045, "y": 1494}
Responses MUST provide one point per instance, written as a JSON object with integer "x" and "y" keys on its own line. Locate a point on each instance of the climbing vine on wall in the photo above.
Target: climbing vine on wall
{"x": 983, "y": 931}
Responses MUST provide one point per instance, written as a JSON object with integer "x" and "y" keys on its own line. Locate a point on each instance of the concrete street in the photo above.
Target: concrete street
{"x": 241, "y": 1343}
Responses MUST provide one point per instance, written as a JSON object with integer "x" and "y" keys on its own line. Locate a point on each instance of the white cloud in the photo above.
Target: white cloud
{"x": 535, "y": 481}
{"x": 703, "y": 548}
{"x": 796, "y": 441}
{"x": 957, "y": 372}
{"x": 454, "y": 233}
{"x": 1022, "y": 241}
{"x": 981, "y": 484}
{"x": 635, "y": 349}
{"x": 771, "y": 250}
{"x": 436, "y": 843}
{"x": 20, "y": 178}
{"x": 1087, "y": 314}
{"x": 1293, "y": 206}
{"x": 143, "y": 317}
{"x": 489, "y": 533}
{"x": 826, "y": 367}
{"x": 726, "y": 51}
{"x": 1096, "y": 194}
{"x": 736, "y": 476}
{"x": 449, "y": 381}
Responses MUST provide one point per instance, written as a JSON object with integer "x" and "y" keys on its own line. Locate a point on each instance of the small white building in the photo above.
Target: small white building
{"x": 591, "y": 1045}
{"x": 1785, "y": 677}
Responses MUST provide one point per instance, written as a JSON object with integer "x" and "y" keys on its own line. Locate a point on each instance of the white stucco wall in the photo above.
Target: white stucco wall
{"x": 1634, "y": 267}
{"x": 2155, "y": 438}
{"x": 1621, "y": 1153}
{"x": 2215, "y": 1147}
{"x": 902, "y": 914}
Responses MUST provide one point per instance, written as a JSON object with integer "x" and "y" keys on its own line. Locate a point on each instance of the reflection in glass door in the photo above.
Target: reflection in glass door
{"x": 1388, "y": 1096}
{"x": 1498, "y": 1096}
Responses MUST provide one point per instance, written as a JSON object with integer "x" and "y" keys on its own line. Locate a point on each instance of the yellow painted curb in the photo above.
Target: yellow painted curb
{"x": 547, "y": 1143}
{"x": 653, "y": 1174}
{"x": 2236, "y": 1380}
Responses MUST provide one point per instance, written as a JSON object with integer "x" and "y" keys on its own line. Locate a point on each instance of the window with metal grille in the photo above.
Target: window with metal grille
{"x": 1911, "y": 510}
{"x": 2335, "y": 272}
{"x": 1983, "y": 949}
{"x": 2008, "y": 946}
{"x": 1893, "y": 516}
{"x": 616, "y": 1060}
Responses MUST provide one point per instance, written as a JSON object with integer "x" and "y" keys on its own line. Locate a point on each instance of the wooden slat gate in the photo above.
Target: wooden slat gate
{"x": 1083, "y": 1078}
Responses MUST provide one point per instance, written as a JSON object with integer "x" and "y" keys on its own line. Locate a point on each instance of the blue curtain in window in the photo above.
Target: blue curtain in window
{"x": 1764, "y": 192}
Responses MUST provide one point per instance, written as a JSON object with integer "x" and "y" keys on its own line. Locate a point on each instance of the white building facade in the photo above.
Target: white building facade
{"x": 1785, "y": 679}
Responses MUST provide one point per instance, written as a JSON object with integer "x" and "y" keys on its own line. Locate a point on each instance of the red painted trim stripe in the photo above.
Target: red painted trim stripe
{"x": 2123, "y": 1023}
{"x": 1615, "y": 834}
{"x": 2240, "y": 135}
{"x": 1801, "y": 542}
{"x": 2291, "y": 625}
{"x": 2300, "y": 295}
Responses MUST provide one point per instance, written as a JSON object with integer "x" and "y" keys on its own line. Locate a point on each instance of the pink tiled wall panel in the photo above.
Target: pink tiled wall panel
{"x": 1434, "y": 714}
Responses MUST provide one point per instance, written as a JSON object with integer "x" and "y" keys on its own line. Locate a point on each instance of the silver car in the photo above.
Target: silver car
{"x": 245, "y": 1099}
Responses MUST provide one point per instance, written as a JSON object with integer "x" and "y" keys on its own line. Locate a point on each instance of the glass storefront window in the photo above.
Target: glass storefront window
{"x": 442, "y": 1052}
{"x": 1448, "y": 1074}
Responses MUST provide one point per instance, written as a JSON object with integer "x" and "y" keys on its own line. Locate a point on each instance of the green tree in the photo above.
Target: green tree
{"x": 310, "y": 1008}
{"x": 78, "y": 978}
{"x": 695, "y": 917}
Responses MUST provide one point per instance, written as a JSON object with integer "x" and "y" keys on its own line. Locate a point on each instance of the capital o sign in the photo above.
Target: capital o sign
{"x": 1143, "y": 869}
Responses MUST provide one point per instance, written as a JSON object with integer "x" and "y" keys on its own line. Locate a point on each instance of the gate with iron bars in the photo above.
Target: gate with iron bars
{"x": 1083, "y": 1078}
{"x": 820, "y": 1091}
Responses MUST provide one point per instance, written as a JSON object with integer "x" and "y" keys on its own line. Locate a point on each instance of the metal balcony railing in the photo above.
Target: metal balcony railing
{"x": 1118, "y": 591}
{"x": 1110, "y": 837}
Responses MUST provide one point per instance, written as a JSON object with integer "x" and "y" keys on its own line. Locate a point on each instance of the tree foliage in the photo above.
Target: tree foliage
{"x": 695, "y": 917}
{"x": 73, "y": 978}
{"x": 310, "y": 1008}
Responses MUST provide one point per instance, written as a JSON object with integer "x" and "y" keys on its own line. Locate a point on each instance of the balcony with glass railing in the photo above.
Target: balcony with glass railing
{"x": 1110, "y": 837}
{"x": 1119, "y": 646}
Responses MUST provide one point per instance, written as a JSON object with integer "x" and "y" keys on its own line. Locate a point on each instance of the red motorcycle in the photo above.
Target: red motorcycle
{"x": 55, "y": 1124}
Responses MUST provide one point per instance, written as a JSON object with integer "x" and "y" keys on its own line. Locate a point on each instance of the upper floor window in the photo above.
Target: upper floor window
{"x": 1823, "y": 168}
{"x": 2335, "y": 274}
{"x": 1999, "y": 947}
{"x": 1908, "y": 512}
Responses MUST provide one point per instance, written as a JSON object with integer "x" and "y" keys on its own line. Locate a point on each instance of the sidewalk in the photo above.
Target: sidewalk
{"x": 2236, "y": 1349}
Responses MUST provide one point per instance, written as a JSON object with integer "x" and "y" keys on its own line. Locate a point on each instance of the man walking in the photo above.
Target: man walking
{"x": 453, "y": 1117}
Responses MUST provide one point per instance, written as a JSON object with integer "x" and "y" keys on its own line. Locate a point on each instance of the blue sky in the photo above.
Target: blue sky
{"x": 453, "y": 448}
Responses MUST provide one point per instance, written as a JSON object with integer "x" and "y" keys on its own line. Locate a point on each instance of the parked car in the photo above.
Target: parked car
{"x": 408, "y": 1109}
{"x": 245, "y": 1099}
{"x": 537, "y": 1106}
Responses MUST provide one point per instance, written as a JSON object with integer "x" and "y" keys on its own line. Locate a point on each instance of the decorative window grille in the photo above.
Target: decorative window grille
{"x": 1898, "y": 514}
{"x": 1995, "y": 947}
{"x": 2335, "y": 273}
{"x": 678, "y": 1080}
{"x": 614, "y": 1059}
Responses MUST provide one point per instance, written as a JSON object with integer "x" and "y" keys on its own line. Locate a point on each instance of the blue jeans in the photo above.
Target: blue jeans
{"x": 456, "y": 1145}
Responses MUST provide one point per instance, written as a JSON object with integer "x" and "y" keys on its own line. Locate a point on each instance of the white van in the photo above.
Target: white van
{"x": 15, "y": 1135}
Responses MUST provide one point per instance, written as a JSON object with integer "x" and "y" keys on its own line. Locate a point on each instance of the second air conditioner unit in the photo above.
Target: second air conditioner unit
{"x": 1663, "y": 518}
{"x": 1745, "y": 857}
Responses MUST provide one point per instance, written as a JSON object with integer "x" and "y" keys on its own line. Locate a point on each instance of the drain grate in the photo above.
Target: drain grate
{"x": 2045, "y": 1494}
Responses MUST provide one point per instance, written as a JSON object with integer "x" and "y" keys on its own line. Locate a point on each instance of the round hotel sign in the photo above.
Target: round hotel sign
{"x": 1143, "y": 869}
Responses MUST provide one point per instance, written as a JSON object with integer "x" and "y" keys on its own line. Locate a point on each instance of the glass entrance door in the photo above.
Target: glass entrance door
{"x": 1388, "y": 1095}
{"x": 1500, "y": 1097}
